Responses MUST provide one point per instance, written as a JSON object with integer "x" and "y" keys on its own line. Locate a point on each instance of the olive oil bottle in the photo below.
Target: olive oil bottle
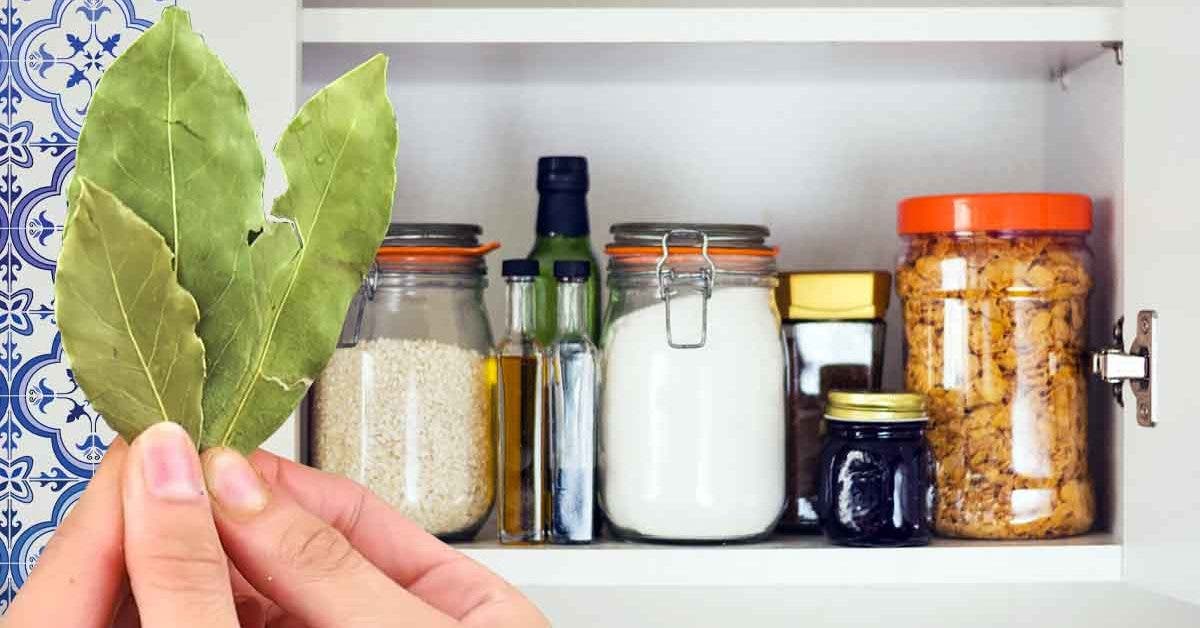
{"x": 563, "y": 233}
{"x": 522, "y": 404}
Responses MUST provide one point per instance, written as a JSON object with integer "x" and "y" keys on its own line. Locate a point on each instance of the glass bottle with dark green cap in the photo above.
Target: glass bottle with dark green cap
{"x": 563, "y": 233}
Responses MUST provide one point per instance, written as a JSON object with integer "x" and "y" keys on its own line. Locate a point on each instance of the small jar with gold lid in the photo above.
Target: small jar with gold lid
{"x": 876, "y": 485}
{"x": 833, "y": 334}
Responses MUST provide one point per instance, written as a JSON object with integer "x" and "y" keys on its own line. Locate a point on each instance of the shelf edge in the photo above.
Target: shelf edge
{"x": 750, "y": 566}
{"x": 788, "y": 25}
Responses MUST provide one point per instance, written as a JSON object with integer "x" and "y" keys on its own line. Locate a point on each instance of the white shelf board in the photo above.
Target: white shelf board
{"x": 803, "y": 561}
{"x": 715, "y": 25}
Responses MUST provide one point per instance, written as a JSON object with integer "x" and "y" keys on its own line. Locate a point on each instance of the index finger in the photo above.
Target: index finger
{"x": 444, "y": 578}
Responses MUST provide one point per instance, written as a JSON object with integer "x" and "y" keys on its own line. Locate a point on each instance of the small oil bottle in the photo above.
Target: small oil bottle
{"x": 572, "y": 366}
{"x": 522, "y": 405}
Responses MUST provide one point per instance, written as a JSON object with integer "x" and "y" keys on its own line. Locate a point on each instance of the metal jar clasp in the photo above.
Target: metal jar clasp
{"x": 352, "y": 328}
{"x": 670, "y": 281}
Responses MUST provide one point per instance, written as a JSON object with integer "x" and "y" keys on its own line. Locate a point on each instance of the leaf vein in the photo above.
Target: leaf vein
{"x": 270, "y": 336}
{"x": 129, "y": 327}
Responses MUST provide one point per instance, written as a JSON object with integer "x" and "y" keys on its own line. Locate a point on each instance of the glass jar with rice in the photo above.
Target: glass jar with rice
{"x": 405, "y": 406}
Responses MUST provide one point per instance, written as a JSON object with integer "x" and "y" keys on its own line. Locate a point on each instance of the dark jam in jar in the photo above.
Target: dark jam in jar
{"x": 876, "y": 471}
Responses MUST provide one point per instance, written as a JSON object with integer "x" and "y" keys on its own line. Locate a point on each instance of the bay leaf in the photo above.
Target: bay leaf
{"x": 339, "y": 154}
{"x": 168, "y": 132}
{"x": 126, "y": 323}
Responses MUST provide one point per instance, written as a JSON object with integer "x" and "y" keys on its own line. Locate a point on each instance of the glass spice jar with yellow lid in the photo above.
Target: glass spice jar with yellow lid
{"x": 876, "y": 487}
{"x": 833, "y": 332}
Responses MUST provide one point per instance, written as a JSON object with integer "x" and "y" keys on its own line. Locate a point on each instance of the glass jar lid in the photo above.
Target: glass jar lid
{"x": 676, "y": 259}
{"x": 410, "y": 238}
{"x": 742, "y": 249}
{"x": 835, "y": 295}
{"x": 745, "y": 238}
{"x": 978, "y": 213}
{"x": 875, "y": 407}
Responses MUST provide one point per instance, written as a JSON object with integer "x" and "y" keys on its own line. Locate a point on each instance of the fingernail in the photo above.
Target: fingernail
{"x": 234, "y": 483}
{"x": 170, "y": 466}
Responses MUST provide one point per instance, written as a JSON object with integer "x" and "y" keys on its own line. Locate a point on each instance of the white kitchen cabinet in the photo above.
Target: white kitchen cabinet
{"x": 814, "y": 118}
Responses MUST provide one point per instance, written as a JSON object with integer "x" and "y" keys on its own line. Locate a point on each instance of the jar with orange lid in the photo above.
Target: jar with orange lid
{"x": 405, "y": 405}
{"x": 995, "y": 290}
{"x": 691, "y": 437}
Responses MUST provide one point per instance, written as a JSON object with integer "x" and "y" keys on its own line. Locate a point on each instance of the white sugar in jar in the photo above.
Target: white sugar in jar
{"x": 692, "y": 429}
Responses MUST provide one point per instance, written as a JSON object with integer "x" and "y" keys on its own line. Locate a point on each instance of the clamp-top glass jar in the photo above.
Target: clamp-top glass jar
{"x": 405, "y": 406}
{"x": 691, "y": 444}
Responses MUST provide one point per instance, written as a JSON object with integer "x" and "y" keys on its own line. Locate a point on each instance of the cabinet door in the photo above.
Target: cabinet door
{"x": 1161, "y": 270}
{"x": 259, "y": 40}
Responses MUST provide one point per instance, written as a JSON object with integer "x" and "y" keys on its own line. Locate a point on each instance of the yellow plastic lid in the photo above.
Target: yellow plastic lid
{"x": 847, "y": 295}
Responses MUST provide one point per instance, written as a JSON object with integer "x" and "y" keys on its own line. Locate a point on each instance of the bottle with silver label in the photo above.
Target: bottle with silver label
{"x": 572, "y": 366}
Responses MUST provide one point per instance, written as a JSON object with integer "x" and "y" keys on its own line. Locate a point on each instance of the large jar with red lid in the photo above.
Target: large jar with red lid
{"x": 995, "y": 290}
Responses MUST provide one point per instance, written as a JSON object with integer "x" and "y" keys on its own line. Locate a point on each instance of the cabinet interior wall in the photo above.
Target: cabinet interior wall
{"x": 818, "y": 141}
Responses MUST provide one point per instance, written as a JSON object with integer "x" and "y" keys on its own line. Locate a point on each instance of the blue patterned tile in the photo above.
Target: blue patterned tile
{"x": 23, "y": 279}
{"x": 7, "y": 591}
{"x": 58, "y": 51}
{"x": 52, "y": 54}
{"x": 103, "y": 436}
{"x": 35, "y": 523}
{"x": 37, "y": 208}
{"x": 51, "y": 418}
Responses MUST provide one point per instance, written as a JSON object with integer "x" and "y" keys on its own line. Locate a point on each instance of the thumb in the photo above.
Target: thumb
{"x": 177, "y": 569}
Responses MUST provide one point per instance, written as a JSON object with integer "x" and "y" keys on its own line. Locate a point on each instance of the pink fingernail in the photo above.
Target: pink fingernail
{"x": 234, "y": 483}
{"x": 170, "y": 465}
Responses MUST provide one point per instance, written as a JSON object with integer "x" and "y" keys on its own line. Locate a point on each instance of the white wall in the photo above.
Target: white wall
{"x": 762, "y": 133}
{"x": 743, "y": 133}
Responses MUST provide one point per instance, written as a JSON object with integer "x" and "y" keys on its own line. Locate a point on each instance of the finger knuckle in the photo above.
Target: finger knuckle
{"x": 316, "y": 549}
{"x": 198, "y": 570}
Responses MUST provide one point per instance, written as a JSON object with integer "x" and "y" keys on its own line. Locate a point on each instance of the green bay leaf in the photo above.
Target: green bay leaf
{"x": 339, "y": 154}
{"x": 169, "y": 133}
{"x": 127, "y": 325}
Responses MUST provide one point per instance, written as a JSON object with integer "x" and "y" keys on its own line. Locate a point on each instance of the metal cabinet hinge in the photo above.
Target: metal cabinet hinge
{"x": 1118, "y": 48}
{"x": 1116, "y": 366}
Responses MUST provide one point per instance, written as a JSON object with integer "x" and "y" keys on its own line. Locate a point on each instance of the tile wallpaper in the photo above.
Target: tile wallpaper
{"x": 52, "y": 53}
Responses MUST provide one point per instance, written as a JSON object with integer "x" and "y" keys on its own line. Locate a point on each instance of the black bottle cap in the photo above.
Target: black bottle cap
{"x": 520, "y": 268}
{"x": 562, "y": 184}
{"x": 572, "y": 269}
{"x": 562, "y": 174}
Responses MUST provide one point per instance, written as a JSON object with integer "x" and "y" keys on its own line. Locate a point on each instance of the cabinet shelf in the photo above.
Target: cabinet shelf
{"x": 712, "y": 25}
{"x": 804, "y": 561}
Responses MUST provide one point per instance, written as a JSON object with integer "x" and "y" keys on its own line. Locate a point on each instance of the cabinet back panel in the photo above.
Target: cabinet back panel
{"x": 820, "y": 153}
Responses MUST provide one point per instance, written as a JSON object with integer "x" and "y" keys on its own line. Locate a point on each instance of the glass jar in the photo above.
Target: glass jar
{"x": 876, "y": 470}
{"x": 405, "y": 406}
{"x": 833, "y": 334}
{"x": 691, "y": 445}
{"x": 995, "y": 291}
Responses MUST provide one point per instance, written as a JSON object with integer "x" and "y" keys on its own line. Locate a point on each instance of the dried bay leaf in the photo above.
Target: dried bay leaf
{"x": 127, "y": 324}
{"x": 339, "y": 154}
{"x": 168, "y": 133}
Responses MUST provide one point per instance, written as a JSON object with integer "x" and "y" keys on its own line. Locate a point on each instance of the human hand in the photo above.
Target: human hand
{"x": 279, "y": 545}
